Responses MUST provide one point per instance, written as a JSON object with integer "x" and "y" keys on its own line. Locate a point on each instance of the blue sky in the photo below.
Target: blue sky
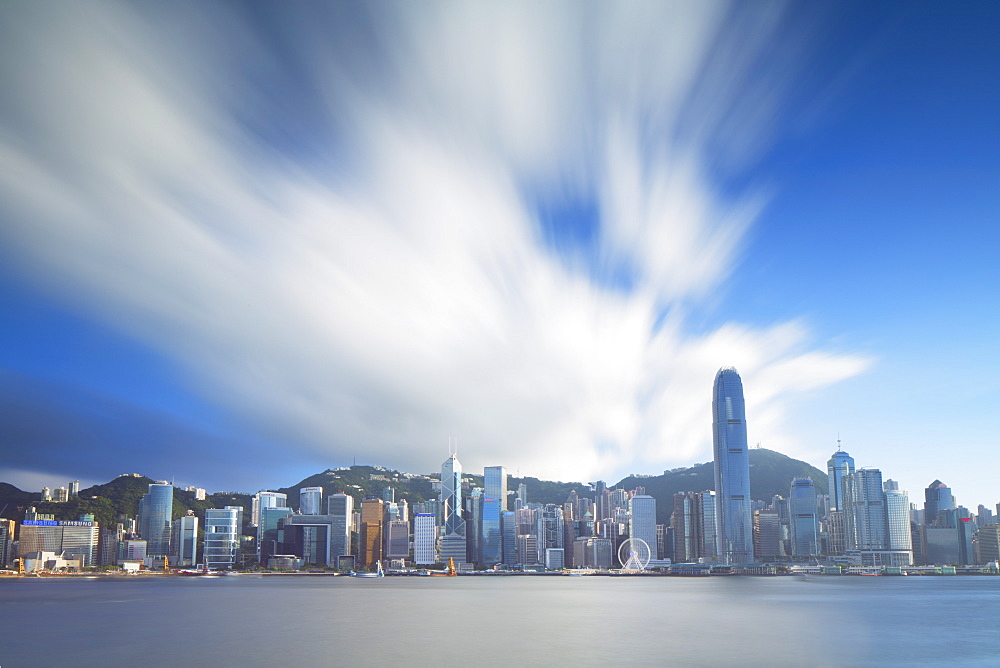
{"x": 242, "y": 244}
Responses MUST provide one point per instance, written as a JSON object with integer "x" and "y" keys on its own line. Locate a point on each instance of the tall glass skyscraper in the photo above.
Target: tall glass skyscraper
{"x": 155, "y": 513}
{"x": 937, "y": 497}
{"x": 452, "y": 543}
{"x": 734, "y": 520}
{"x": 838, "y": 468}
{"x": 495, "y": 484}
{"x": 803, "y": 519}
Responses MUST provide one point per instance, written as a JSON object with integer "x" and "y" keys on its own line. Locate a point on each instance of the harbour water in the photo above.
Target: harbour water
{"x": 500, "y": 621}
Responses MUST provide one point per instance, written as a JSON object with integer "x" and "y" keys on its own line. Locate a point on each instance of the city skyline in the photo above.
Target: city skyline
{"x": 313, "y": 236}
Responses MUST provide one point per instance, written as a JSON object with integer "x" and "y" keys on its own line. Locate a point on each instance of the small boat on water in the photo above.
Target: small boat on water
{"x": 378, "y": 573}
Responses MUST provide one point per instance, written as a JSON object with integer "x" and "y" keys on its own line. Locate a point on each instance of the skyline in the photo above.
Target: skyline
{"x": 240, "y": 234}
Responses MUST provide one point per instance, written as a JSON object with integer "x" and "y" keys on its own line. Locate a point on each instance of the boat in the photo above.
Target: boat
{"x": 365, "y": 574}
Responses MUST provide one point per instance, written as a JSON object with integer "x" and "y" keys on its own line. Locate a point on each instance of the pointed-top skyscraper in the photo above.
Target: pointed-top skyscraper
{"x": 452, "y": 542}
{"x": 734, "y": 520}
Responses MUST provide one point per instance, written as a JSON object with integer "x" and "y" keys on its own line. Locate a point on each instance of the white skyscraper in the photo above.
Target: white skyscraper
{"x": 424, "y": 538}
{"x": 264, "y": 499}
{"x": 642, "y": 521}
{"x": 897, "y": 508}
{"x": 310, "y": 500}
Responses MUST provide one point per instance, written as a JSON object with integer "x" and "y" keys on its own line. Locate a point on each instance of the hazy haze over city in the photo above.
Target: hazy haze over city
{"x": 240, "y": 243}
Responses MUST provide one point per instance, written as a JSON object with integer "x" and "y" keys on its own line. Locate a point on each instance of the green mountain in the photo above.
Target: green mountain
{"x": 770, "y": 473}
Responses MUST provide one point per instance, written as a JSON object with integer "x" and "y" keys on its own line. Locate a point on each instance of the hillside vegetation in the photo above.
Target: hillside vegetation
{"x": 770, "y": 473}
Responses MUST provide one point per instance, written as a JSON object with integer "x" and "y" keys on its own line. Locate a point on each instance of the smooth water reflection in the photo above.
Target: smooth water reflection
{"x": 316, "y": 621}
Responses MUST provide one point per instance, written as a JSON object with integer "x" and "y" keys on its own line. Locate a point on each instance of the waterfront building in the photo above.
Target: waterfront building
{"x": 6, "y": 541}
{"x": 987, "y": 544}
{"x": 269, "y": 537}
{"x": 306, "y": 536}
{"x": 185, "y": 540}
{"x": 767, "y": 535}
{"x": 734, "y": 522}
{"x": 340, "y": 507}
{"x": 310, "y": 500}
{"x": 397, "y": 539}
{"x": 593, "y": 552}
{"x": 865, "y": 520}
{"x": 897, "y": 514}
{"x": 424, "y": 538}
{"x": 75, "y": 539}
{"x": 372, "y": 512}
{"x": 555, "y": 558}
{"x": 840, "y": 466}
{"x": 495, "y": 484}
{"x": 803, "y": 520}
{"x": 222, "y": 532}
{"x": 155, "y": 513}
{"x": 265, "y": 499}
{"x": 642, "y": 521}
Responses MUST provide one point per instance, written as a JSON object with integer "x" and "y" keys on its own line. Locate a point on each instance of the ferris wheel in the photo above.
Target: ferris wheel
{"x": 634, "y": 554}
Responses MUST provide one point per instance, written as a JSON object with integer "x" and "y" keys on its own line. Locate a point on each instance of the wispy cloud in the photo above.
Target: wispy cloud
{"x": 332, "y": 222}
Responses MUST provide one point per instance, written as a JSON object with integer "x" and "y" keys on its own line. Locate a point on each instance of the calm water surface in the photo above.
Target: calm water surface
{"x": 476, "y": 621}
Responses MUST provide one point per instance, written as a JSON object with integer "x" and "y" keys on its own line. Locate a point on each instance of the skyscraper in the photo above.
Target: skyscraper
{"x": 340, "y": 507}
{"x": 865, "y": 515}
{"x": 838, "y": 468}
{"x": 642, "y": 521}
{"x": 734, "y": 520}
{"x": 495, "y": 484}
{"x": 310, "y": 500}
{"x": 803, "y": 518}
{"x": 222, "y": 531}
{"x": 155, "y": 512}
{"x": 452, "y": 542}
{"x": 185, "y": 540}
{"x": 897, "y": 510}
{"x": 424, "y": 538}
{"x": 937, "y": 497}
{"x": 265, "y": 499}
{"x": 372, "y": 520}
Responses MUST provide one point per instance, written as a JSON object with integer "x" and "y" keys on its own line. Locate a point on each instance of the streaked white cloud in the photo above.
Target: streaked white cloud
{"x": 377, "y": 304}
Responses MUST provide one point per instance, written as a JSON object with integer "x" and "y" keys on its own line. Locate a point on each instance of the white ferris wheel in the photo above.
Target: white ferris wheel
{"x": 634, "y": 554}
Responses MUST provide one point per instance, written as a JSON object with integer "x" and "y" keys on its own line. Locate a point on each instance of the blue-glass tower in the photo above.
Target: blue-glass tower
{"x": 838, "y": 468}
{"x": 155, "y": 513}
{"x": 734, "y": 520}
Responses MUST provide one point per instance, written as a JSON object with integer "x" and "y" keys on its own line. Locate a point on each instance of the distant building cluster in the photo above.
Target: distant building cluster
{"x": 863, "y": 522}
